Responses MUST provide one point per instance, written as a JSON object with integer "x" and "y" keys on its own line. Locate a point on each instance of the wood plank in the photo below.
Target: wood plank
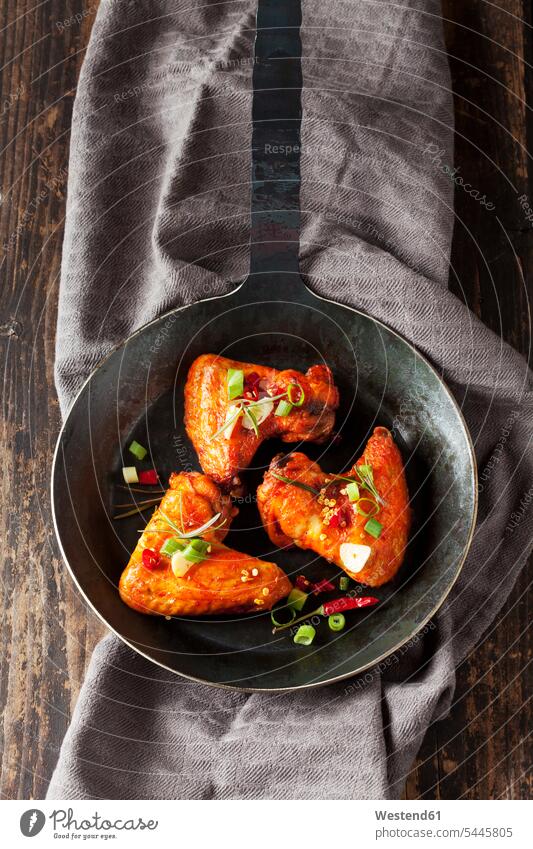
{"x": 46, "y": 635}
{"x": 482, "y": 750}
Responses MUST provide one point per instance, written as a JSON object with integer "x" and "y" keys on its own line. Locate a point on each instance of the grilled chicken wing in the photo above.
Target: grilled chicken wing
{"x": 226, "y": 581}
{"x": 223, "y": 453}
{"x": 329, "y": 523}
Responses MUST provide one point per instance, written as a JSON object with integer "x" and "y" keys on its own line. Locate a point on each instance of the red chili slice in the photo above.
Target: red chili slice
{"x": 251, "y": 386}
{"x": 323, "y": 587}
{"x": 341, "y": 518}
{"x": 346, "y": 603}
{"x": 303, "y": 584}
{"x": 151, "y": 559}
{"x": 148, "y": 478}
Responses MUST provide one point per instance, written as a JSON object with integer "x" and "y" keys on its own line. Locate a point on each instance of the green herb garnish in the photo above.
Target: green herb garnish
{"x": 292, "y": 482}
{"x": 235, "y": 383}
{"x": 304, "y": 635}
{"x": 374, "y": 528}
{"x": 295, "y": 394}
{"x": 170, "y": 547}
{"x": 284, "y": 408}
{"x": 352, "y": 491}
{"x": 248, "y": 412}
{"x": 137, "y": 450}
{"x": 366, "y": 477}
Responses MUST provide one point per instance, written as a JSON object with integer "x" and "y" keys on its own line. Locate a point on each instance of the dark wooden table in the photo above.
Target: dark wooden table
{"x": 483, "y": 749}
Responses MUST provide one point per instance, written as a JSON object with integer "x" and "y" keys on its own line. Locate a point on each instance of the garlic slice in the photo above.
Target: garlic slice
{"x": 230, "y": 412}
{"x": 354, "y": 556}
{"x": 179, "y": 565}
{"x": 260, "y": 413}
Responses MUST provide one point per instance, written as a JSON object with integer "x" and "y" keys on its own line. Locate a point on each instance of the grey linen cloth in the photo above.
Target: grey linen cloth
{"x": 158, "y": 208}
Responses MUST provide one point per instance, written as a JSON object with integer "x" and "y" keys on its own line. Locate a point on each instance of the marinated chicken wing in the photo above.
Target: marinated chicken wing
{"x": 361, "y": 525}
{"x": 232, "y": 407}
{"x": 200, "y": 576}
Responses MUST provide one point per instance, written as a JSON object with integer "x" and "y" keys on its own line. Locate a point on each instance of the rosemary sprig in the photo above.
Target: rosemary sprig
{"x": 339, "y": 478}
{"x": 143, "y": 489}
{"x": 244, "y": 406}
{"x": 182, "y": 522}
{"x": 147, "y": 501}
{"x": 227, "y": 422}
{"x": 366, "y": 477}
{"x": 297, "y": 483}
{"x": 207, "y": 526}
{"x": 133, "y": 512}
{"x": 171, "y": 524}
{"x": 251, "y": 416}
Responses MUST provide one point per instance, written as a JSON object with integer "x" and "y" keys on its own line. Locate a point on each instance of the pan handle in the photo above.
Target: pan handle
{"x": 276, "y": 120}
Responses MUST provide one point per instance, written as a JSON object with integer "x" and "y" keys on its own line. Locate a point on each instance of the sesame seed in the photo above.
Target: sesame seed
{"x": 265, "y": 591}
{"x": 258, "y": 601}
{"x": 322, "y": 537}
{"x": 255, "y": 572}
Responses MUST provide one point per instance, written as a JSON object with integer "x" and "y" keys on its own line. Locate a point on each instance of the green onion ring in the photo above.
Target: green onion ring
{"x": 304, "y": 635}
{"x": 301, "y": 397}
{"x": 363, "y": 512}
{"x": 336, "y": 621}
{"x": 285, "y": 608}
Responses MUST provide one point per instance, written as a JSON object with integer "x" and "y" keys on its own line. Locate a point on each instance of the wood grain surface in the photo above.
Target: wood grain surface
{"x": 483, "y": 749}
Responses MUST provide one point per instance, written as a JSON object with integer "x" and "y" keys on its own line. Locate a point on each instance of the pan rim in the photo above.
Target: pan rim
{"x": 315, "y": 684}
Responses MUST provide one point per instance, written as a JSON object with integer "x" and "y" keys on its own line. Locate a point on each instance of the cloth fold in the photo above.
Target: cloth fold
{"x": 157, "y": 216}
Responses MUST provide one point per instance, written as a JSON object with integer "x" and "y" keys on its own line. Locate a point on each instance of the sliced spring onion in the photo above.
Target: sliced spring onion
{"x": 304, "y": 635}
{"x": 129, "y": 473}
{"x": 235, "y": 383}
{"x": 344, "y": 583}
{"x": 283, "y": 408}
{"x": 352, "y": 491}
{"x": 374, "y": 528}
{"x": 170, "y": 546}
{"x": 295, "y": 483}
{"x": 284, "y": 613}
{"x": 250, "y": 417}
{"x": 295, "y": 394}
{"x": 196, "y": 551}
{"x": 296, "y": 599}
{"x": 137, "y": 450}
{"x": 336, "y": 621}
{"x": 374, "y": 507}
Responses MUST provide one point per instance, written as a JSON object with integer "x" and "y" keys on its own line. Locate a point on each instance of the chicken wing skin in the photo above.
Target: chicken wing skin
{"x": 227, "y": 581}
{"x": 206, "y": 409}
{"x": 323, "y": 523}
